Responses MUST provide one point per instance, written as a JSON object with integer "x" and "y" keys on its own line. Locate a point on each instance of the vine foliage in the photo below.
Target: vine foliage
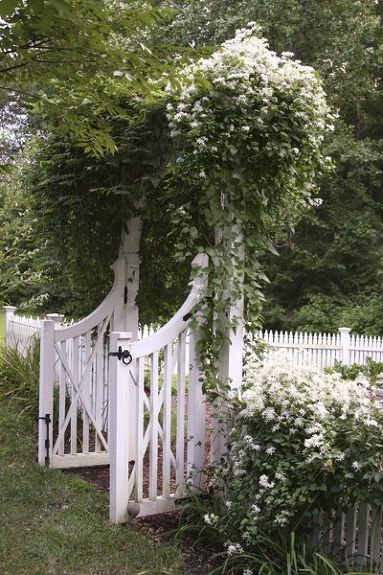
{"x": 247, "y": 129}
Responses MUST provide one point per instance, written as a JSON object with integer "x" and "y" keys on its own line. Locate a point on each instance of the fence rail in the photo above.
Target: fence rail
{"x": 320, "y": 349}
{"x": 323, "y": 349}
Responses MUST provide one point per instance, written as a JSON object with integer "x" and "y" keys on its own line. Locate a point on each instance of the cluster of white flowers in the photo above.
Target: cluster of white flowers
{"x": 210, "y": 518}
{"x": 254, "y": 77}
{"x": 232, "y": 549}
{"x": 270, "y": 472}
{"x": 281, "y": 391}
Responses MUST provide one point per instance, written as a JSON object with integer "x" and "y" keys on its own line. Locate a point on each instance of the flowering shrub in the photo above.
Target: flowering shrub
{"x": 304, "y": 441}
{"x": 247, "y": 127}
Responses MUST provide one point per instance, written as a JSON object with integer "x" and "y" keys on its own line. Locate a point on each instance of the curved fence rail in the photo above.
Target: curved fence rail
{"x": 158, "y": 416}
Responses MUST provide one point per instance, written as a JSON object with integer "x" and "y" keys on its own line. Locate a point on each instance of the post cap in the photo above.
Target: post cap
{"x": 344, "y": 329}
{"x": 56, "y": 317}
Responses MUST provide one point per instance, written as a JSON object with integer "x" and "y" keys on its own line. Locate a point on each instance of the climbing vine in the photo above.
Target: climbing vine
{"x": 220, "y": 162}
{"x": 247, "y": 128}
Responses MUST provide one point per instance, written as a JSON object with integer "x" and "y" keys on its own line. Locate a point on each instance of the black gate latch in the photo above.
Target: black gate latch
{"x": 123, "y": 354}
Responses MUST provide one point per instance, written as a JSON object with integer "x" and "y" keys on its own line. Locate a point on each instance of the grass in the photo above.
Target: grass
{"x": 57, "y": 524}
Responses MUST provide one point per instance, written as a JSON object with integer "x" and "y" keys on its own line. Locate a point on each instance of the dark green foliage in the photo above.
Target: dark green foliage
{"x": 280, "y": 555}
{"x": 79, "y": 206}
{"x": 373, "y": 370}
{"x": 329, "y": 271}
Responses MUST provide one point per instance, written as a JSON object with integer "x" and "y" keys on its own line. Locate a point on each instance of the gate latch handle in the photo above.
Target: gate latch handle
{"x": 122, "y": 354}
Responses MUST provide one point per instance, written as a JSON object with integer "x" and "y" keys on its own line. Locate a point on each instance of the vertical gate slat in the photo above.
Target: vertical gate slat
{"x": 140, "y": 431}
{"x": 98, "y": 391}
{"x": 86, "y": 390}
{"x": 153, "y": 433}
{"x": 62, "y": 393}
{"x": 166, "y": 421}
{"x": 180, "y": 440}
{"x": 76, "y": 372}
{"x": 196, "y": 419}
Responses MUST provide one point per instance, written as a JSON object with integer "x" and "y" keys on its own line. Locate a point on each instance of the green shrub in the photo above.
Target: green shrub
{"x": 19, "y": 375}
{"x": 303, "y": 442}
{"x": 372, "y": 370}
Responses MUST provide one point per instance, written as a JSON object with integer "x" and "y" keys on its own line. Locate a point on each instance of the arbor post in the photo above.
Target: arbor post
{"x": 231, "y": 361}
{"x": 121, "y": 431}
{"x": 345, "y": 343}
{"x": 127, "y": 269}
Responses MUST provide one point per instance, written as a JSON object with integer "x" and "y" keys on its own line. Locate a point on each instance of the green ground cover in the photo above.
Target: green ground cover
{"x": 57, "y": 524}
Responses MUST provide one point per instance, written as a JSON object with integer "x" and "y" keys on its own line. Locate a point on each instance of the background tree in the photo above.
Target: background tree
{"x": 330, "y": 267}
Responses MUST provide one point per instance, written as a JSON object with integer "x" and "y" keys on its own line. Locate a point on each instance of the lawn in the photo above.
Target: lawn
{"x": 57, "y": 524}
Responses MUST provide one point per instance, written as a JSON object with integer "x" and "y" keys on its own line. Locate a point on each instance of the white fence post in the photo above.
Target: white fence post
{"x": 121, "y": 436}
{"x": 196, "y": 416}
{"x": 9, "y": 311}
{"x": 230, "y": 372}
{"x": 345, "y": 342}
{"x": 47, "y": 370}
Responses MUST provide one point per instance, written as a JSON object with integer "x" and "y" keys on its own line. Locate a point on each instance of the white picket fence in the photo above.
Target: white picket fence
{"x": 152, "y": 412}
{"x": 20, "y": 331}
{"x": 320, "y": 349}
{"x": 323, "y": 349}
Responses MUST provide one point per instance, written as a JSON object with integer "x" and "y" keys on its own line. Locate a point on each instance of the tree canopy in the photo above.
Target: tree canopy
{"x": 329, "y": 266}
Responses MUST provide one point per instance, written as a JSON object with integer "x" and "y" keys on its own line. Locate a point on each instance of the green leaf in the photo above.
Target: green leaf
{"x": 7, "y": 7}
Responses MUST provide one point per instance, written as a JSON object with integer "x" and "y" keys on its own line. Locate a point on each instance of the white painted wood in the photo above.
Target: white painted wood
{"x": 62, "y": 399}
{"x": 345, "y": 342}
{"x": 104, "y": 310}
{"x": 363, "y": 529}
{"x": 126, "y": 312}
{"x": 8, "y": 311}
{"x": 148, "y": 507}
{"x": 47, "y": 357}
{"x": 196, "y": 416}
{"x": 339, "y": 535}
{"x": 153, "y": 427}
{"x": 74, "y": 403}
{"x": 80, "y": 460}
{"x": 78, "y": 393}
{"x": 140, "y": 448}
{"x": 87, "y": 392}
{"x": 119, "y": 435}
{"x": 180, "y": 433}
{"x": 98, "y": 389}
{"x": 167, "y": 419}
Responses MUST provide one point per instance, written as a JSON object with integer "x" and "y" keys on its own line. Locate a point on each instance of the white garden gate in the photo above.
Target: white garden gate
{"x": 108, "y": 398}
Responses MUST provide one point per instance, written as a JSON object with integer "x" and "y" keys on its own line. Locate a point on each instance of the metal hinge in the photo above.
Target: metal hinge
{"x": 122, "y": 354}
